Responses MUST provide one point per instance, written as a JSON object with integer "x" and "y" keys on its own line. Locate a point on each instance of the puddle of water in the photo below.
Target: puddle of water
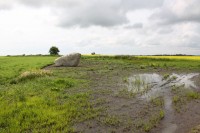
{"x": 154, "y": 85}
{"x": 171, "y": 128}
{"x": 143, "y": 82}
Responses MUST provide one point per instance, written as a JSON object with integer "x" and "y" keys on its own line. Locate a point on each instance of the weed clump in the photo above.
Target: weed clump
{"x": 142, "y": 67}
{"x": 28, "y": 75}
{"x": 125, "y": 93}
{"x": 193, "y": 95}
{"x": 195, "y": 129}
{"x": 153, "y": 121}
{"x": 112, "y": 120}
{"x": 166, "y": 76}
{"x": 159, "y": 101}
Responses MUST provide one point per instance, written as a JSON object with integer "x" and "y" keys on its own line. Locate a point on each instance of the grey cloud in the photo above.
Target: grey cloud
{"x": 193, "y": 42}
{"x": 96, "y": 13}
{"x": 52, "y": 3}
{"x": 104, "y": 13}
{"x": 34, "y": 3}
{"x": 194, "y": 45}
{"x": 93, "y": 12}
{"x": 165, "y": 30}
{"x": 178, "y": 11}
{"x": 135, "y": 26}
{"x": 125, "y": 4}
{"x": 141, "y": 4}
{"x": 5, "y": 5}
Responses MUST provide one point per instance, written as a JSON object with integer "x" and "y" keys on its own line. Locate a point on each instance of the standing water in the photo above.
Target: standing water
{"x": 155, "y": 85}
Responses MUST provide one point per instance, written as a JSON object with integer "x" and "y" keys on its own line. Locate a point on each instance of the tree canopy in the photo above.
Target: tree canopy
{"x": 54, "y": 50}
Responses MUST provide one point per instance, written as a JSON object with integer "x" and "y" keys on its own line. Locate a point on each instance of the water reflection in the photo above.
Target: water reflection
{"x": 154, "y": 85}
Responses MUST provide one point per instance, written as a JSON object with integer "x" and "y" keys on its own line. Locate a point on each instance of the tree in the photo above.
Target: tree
{"x": 54, "y": 50}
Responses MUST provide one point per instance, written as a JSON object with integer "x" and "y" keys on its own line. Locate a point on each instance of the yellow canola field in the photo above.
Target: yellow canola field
{"x": 173, "y": 57}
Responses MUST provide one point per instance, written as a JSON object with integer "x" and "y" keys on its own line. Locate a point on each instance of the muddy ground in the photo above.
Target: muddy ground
{"x": 124, "y": 111}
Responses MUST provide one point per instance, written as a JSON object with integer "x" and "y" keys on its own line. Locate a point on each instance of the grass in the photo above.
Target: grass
{"x": 176, "y": 99}
{"x": 193, "y": 95}
{"x": 41, "y": 100}
{"x": 159, "y": 101}
{"x": 181, "y": 96}
{"x": 125, "y": 93}
{"x": 166, "y": 76}
{"x": 153, "y": 121}
{"x": 179, "y": 103}
{"x": 139, "y": 85}
{"x": 111, "y": 120}
{"x": 155, "y": 62}
{"x": 29, "y": 75}
{"x": 35, "y": 100}
{"x": 195, "y": 129}
{"x": 43, "y": 105}
{"x": 12, "y": 67}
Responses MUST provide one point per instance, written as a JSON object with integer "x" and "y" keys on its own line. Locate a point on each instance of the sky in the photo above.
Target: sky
{"x": 120, "y": 27}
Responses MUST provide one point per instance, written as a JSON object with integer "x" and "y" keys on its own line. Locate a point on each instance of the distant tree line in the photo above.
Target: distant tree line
{"x": 172, "y": 55}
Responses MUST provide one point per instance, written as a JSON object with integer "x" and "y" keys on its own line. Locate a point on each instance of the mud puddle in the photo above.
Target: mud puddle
{"x": 155, "y": 85}
{"x": 152, "y": 85}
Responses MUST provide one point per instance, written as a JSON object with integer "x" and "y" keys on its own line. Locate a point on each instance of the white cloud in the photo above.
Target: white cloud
{"x": 101, "y": 26}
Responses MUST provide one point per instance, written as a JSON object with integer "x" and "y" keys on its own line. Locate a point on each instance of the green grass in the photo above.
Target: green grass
{"x": 13, "y": 66}
{"x": 41, "y": 100}
{"x": 159, "y": 101}
{"x": 193, "y": 95}
{"x": 166, "y": 76}
{"x": 33, "y": 100}
{"x": 125, "y": 93}
{"x": 153, "y": 121}
{"x": 179, "y": 103}
{"x": 176, "y": 99}
{"x": 181, "y": 96}
{"x": 44, "y": 104}
{"x": 111, "y": 120}
{"x": 147, "y": 63}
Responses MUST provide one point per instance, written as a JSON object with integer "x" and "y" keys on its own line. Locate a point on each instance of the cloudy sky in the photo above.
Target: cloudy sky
{"x": 135, "y": 27}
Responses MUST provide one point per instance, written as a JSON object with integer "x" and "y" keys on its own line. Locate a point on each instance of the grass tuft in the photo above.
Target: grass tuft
{"x": 159, "y": 101}
{"x": 193, "y": 95}
{"x": 29, "y": 75}
{"x": 153, "y": 121}
{"x": 112, "y": 120}
{"x": 166, "y": 76}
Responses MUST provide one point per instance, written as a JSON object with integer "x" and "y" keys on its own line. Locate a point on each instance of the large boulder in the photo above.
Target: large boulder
{"x": 71, "y": 60}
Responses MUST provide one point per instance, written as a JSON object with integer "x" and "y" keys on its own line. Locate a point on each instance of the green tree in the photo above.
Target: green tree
{"x": 54, "y": 50}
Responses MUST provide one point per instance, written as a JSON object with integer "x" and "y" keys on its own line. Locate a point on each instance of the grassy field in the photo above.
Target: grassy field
{"x": 39, "y": 102}
{"x": 54, "y": 100}
{"x": 13, "y": 66}
{"x": 166, "y": 62}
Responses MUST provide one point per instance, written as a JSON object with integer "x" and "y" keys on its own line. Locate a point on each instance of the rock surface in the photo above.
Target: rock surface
{"x": 70, "y": 60}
